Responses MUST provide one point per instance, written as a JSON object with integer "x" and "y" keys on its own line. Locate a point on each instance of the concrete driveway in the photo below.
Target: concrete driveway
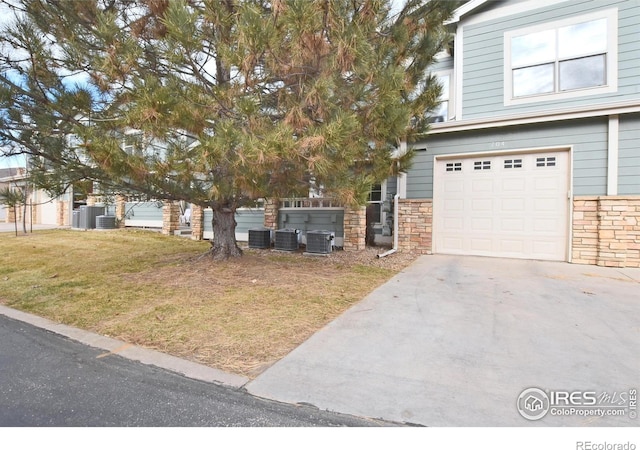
{"x": 454, "y": 341}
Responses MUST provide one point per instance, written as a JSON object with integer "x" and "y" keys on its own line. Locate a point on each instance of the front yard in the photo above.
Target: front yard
{"x": 162, "y": 292}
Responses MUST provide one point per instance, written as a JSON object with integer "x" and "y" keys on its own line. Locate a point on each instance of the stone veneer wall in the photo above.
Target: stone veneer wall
{"x": 92, "y": 200}
{"x": 197, "y": 222}
{"x": 121, "y": 209}
{"x": 415, "y": 218}
{"x": 355, "y": 228}
{"x": 606, "y": 231}
{"x": 62, "y": 213}
{"x": 11, "y": 213}
{"x": 170, "y": 216}
{"x": 271, "y": 213}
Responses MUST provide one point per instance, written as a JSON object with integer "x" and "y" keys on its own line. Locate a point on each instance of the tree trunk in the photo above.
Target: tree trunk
{"x": 24, "y": 216}
{"x": 224, "y": 243}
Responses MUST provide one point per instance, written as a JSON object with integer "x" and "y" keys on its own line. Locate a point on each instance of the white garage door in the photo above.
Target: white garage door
{"x": 512, "y": 206}
{"x": 48, "y": 210}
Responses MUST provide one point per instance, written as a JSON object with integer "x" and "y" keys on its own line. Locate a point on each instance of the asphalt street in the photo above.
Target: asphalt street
{"x": 49, "y": 380}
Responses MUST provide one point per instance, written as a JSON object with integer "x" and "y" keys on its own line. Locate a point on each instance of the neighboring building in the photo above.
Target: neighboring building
{"x": 41, "y": 208}
{"x": 535, "y": 151}
{"x": 6, "y": 174}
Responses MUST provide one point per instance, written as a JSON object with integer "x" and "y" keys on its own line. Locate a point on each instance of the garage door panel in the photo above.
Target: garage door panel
{"x": 512, "y": 204}
{"x": 482, "y": 225}
{"x": 451, "y": 186}
{"x": 482, "y": 205}
{"x": 481, "y": 245}
{"x": 516, "y": 224}
{"x": 546, "y": 205}
{"x": 549, "y": 225}
{"x": 544, "y": 248}
{"x": 482, "y": 185}
{"x": 452, "y": 243}
{"x": 516, "y": 185}
{"x": 506, "y": 205}
{"x": 454, "y": 223}
{"x": 512, "y": 246}
{"x": 547, "y": 183}
{"x": 454, "y": 205}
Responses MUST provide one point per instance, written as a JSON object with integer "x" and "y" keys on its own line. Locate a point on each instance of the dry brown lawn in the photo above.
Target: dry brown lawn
{"x": 163, "y": 292}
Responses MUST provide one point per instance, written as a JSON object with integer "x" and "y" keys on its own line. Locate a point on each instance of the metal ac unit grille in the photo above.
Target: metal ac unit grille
{"x": 260, "y": 238}
{"x": 319, "y": 241}
{"x": 286, "y": 239}
{"x": 105, "y": 222}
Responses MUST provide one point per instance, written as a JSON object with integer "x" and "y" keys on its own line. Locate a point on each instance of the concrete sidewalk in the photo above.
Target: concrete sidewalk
{"x": 454, "y": 341}
{"x": 10, "y": 227}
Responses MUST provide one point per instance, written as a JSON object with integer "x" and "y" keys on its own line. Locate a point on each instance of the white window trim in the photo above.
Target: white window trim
{"x": 611, "y": 62}
{"x": 613, "y": 151}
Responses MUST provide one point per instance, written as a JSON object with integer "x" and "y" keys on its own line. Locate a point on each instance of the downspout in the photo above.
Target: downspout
{"x": 395, "y": 229}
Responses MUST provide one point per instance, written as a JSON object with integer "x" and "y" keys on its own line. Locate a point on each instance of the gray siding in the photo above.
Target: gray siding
{"x": 392, "y": 186}
{"x": 246, "y": 218}
{"x": 483, "y": 61}
{"x": 588, "y": 138}
{"x": 309, "y": 219}
{"x": 629, "y": 155}
{"x": 140, "y": 211}
{"x": 442, "y": 65}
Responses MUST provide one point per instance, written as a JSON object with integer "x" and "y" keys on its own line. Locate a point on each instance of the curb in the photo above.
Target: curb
{"x": 145, "y": 356}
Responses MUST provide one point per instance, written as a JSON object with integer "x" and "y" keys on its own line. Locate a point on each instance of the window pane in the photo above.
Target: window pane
{"x": 534, "y": 48}
{"x": 376, "y": 193}
{"x": 440, "y": 114}
{"x": 582, "y": 73}
{"x": 533, "y": 80}
{"x": 582, "y": 38}
{"x": 444, "y": 81}
{"x": 376, "y": 209}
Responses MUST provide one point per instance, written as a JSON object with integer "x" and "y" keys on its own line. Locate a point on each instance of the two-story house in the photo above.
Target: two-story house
{"x": 535, "y": 152}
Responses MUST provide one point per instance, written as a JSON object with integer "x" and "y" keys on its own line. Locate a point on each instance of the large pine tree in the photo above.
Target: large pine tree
{"x": 246, "y": 99}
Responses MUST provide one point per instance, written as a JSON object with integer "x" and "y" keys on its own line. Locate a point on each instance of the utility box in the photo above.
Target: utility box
{"x": 88, "y": 216}
{"x": 287, "y": 239}
{"x": 319, "y": 241}
{"x": 75, "y": 219}
{"x": 105, "y": 222}
{"x": 259, "y": 238}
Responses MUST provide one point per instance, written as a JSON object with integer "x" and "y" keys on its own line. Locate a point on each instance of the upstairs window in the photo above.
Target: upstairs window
{"x": 132, "y": 143}
{"x": 441, "y": 114}
{"x": 564, "y": 59}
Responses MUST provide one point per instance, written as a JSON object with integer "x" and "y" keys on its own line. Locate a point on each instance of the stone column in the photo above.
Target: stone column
{"x": 91, "y": 200}
{"x": 271, "y": 213}
{"x": 170, "y": 216}
{"x": 197, "y": 222}
{"x": 62, "y": 213}
{"x": 121, "y": 209}
{"x": 355, "y": 228}
{"x": 415, "y": 218}
{"x": 11, "y": 214}
{"x": 585, "y": 230}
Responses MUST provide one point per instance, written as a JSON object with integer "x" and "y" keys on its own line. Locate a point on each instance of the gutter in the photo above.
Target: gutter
{"x": 395, "y": 229}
